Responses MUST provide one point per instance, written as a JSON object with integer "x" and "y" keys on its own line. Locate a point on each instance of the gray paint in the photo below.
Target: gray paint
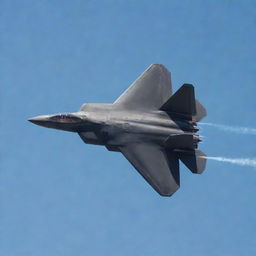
{"x": 151, "y": 127}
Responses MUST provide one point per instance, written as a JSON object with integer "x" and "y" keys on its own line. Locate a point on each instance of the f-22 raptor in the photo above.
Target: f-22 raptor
{"x": 149, "y": 125}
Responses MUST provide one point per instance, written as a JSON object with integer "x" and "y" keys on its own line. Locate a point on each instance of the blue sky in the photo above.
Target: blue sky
{"x": 59, "y": 196}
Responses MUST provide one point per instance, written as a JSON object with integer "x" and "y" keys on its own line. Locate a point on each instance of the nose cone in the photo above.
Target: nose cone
{"x": 40, "y": 120}
{"x": 71, "y": 122}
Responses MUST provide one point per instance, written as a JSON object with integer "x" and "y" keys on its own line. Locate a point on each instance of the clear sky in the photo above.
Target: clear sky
{"x": 59, "y": 196}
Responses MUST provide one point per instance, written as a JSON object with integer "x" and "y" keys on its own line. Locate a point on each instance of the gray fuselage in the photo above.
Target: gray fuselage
{"x": 105, "y": 125}
{"x": 152, "y": 127}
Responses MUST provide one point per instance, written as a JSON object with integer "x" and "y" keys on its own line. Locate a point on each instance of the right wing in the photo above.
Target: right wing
{"x": 159, "y": 168}
{"x": 150, "y": 90}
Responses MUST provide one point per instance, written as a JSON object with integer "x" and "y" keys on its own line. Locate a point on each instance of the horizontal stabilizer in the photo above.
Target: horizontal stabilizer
{"x": 200, "y": 112}
{"x": 181, "y": 141}
{"x": 194, "y": 160}
{"x": 182, "y": 102}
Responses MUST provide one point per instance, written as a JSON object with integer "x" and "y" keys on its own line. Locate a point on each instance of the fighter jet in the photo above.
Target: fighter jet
{"x": 149, "y": 125}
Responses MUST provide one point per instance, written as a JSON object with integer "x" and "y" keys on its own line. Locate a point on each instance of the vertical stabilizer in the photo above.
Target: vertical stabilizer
{"x": 182, "y": 102}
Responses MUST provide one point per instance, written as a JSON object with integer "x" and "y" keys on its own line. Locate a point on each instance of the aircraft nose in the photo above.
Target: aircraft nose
{"x": 39, "y": 120}
{"x": 62, "y": 121}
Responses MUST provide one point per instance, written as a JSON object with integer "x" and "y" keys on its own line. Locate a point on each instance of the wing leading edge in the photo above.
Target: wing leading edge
{"x": 158, "y": 167}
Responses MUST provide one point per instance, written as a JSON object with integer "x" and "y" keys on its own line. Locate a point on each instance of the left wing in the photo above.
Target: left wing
{"x": 159, "y": 168}
{"x": 150, "y": 90}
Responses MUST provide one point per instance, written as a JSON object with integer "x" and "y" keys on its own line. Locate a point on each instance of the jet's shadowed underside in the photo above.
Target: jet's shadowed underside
{"x": 149, "y": 125}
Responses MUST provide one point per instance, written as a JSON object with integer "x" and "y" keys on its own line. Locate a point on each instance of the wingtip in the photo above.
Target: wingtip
{"x": 158, "y": 65}
{"x": 167, "y": 191}
{"x": 188, "y": 86}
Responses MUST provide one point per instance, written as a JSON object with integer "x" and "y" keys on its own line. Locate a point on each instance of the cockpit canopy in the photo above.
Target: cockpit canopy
{"x": 66, "y": 118}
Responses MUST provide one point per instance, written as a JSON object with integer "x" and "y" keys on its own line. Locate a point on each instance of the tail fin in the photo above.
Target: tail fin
{"x": 194, "y": 160}
{"x": 182, "y": 102}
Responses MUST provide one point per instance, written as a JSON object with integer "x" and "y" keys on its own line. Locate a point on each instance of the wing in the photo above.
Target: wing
{"x": 150, "y": 91}
{"x": 159, "y": 168}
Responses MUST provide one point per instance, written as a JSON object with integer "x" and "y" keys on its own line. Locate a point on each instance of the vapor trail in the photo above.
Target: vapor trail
{"x": 235, "y": 129}
{"x": 239, "y": 161}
